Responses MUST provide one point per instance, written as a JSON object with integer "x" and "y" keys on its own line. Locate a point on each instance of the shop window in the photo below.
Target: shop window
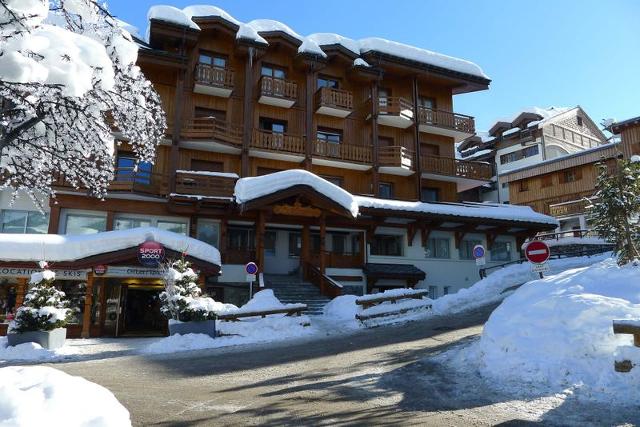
{"x": 273, "y": 71}
{"x": 123, "y": 223}
{"x": 338, "y": 244}
{"x": 84, "y": 223}
{"x": 206, "y": 166}
{"x": 324, "y": 81}
{"x": 241, "y": 238}
{"x": 295, "y": 244}
{"x": 75, "y": 294}
{"x": 466, "y": 248}
{"x": 127, "y": 171}
{"x": 215, "y": 60}
{"x": 430, "y": 194}
{"x": 20, "y": 222}
{"x": 385, "y": 190}
{"x": 208, "y": 232}
{"x": 173, "y": 226}
{"x": 8, "y": 292}
{"x": 387, "y": 245}
{"x": 501, "y": 251}
{"x": 437, "y": 248}
{"x": 270, "y": 240}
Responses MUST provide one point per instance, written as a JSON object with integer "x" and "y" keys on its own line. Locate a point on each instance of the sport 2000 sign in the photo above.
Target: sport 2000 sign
{"x": 150, "y": 254}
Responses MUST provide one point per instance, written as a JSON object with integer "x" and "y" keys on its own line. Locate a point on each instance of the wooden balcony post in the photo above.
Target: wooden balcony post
{"x": 260, "y": 229}
{"x": 88, "y": 304}
{"x": 304, "y": 255}
{"x": 374, "y": 138}
{"x": 418, "y": 151}
{"x": 308, "y": 120}
{"x": 247, "y": 112}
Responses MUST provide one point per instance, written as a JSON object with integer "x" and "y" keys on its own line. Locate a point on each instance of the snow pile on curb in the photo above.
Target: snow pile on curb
{"x": 556, "y": 333}
{"x": 264, "y": 300}
{"x": 33, "y": 352}
{"x": 42, "y": 396}
{"x": 490, "y": 289}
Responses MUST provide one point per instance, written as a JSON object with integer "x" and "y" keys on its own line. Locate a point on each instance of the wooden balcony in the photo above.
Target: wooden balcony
{"x": 278, "y": 92}
{"x": 273, "y": 145}
{"x": 333, "y": 102}
{"x": 342, "y": 155}
{"x": 128, "y": 180}
{"x": 216, "y": 81}
{"x": 465, "y": 173}
{"x": 213, "y": 131}
{"x": 439, "y": 122}
{"x": 396, "y": 160}
{"x": 576, "y": 207}
{"x": 395, "y": 111}
{"x": 205, "y": 184}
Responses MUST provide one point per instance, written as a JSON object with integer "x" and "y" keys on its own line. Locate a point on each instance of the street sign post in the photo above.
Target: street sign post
{"x": 537, "y": 253}
{"x": 251, "y": 268}
{"x": 479, "y": 254}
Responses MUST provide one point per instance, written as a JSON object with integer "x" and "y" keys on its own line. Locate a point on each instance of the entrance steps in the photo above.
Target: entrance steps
{"x": 292, "y": 289}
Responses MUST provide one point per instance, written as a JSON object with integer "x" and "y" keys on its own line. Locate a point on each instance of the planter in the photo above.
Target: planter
{"x": 207, "y": 327}
{"x": 47, "y": 339}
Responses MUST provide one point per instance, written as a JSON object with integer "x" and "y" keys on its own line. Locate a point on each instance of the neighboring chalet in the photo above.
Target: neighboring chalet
{"x": 328, "y": 161}
{"x": 629, "y": 131}
{"x": 528, "y": 138}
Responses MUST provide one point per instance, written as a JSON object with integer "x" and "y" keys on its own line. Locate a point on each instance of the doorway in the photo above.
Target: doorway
{"x": 140, "y": 314}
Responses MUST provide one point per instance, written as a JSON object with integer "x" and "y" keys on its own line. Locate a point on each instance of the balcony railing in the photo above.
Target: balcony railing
{"x": 446, "y": 119}
{"x": 347, "y": 152}
{"x": 334, "y": 98}
{"x": 204, "y": 184}
{"x": 278, "y": 88}
{"x": 450, "y": 166}
{"x": 214, "y": 76}
{"x": 395, "y": 156}
{"x": 128, "y": 179}
{"x": 212, "y": 128}
{"x": 395, "y": 106}
{"x": 275, "y": 141}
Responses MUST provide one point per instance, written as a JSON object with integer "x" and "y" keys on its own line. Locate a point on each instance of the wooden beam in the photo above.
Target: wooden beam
{"x": 88, "y": 305}
{"x": 374, "y": 138}
{"x": 21, "y": 289}
{"x": 260, "y": 229}
{"x": 308, "y": 120}
{"x": 247, "y": 113}
{"x": 110, "y": 220}
{"x": 424, "y": 234}
{"x": 323, "y": 235}
{"x": 416, "y": 135}
{"x": 412, "y": 229}
{"x": 459, "y": 235}
{"x": 54, "y": 217}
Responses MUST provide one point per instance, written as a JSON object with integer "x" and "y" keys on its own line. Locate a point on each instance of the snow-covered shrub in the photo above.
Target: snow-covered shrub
{"x": 181, "y": 298}
{"x": 44, "y": 307}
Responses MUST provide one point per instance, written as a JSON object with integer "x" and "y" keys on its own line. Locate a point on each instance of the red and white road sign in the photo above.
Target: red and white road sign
{"x": 537, "y": 252}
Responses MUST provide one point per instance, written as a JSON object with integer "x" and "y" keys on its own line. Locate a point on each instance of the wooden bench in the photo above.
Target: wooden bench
{"x": 371, "y": 302}
{"x": 626, "y": 327}
{"x": 289, "y": 311}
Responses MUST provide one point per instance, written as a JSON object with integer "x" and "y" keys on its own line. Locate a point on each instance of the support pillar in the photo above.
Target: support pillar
{"x": 306, "y": 243}
{"x": 21, "y": 289}
{"x": 202, "y": 282}
{"x": 88, "y": 304}
{"x": 247, "y": 113}
{"x": 260, "y": 229}
{"x": 110, "y": 221}
{"x": 102, "y": 297}
{"x": 374, "y": 138}
{"x": 308, "y": 120}
{"x": 54, "y": 218}
{"x": 416, "y": 127}
{"x": 323, "y": 233}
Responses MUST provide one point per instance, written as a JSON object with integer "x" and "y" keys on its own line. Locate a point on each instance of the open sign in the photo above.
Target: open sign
{"x": 150, "y": 254}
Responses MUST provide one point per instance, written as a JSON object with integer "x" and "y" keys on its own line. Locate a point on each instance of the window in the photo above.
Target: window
{"x": 173, "y": 226}
{"x": 241, "y": 238}
{"x": 324, "y": 81}
{"x": 270, "y": 239}
{"x": 335, "y": 180}
{"x": 546, "y": 181}
{"x": 122, "y": 223}
{"x": 126, "y": 170}
{"x": 208, "y": 232}
{"x": 571, "y": 175}
{"x": 386, "y": 245}
{"x": 446, "y": 290}
{"x": 383, "y": 94}
{"x": 31, "y": 222}
{"x": 437, "y": 248}
{"x": 385, "y": 190}
{"x": 433, "y": 292}
{"x": 355, "y": 243}
{"x": 579, "y": 119}
{"x": 466, "y": 248}
{"x": 523, "y": 185}
{"x": 501, "y": 251}
{"x": 329, "y": 135}
{"x": 273, "y": 71}
{"x": 430, "y": 149}
{"x": 427, "y": 102}
{"x": 84, "y": 223}
{"x": 206, "y": 165}
{"x": 430, "y": 194}
{"x": 295, "y": 244}
{"x": 209, "y": 113}
{"x": 215, "y": 60}
{"x": 385, "y": 141}
{"x": 126, "y": 222}
{"x": 315, "y": 243}
{"x": 275, "y": 126}
{"x": 520, "y": 154}
{"x": 338, "y": 243}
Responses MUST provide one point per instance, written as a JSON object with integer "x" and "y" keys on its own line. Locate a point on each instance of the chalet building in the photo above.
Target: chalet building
{"x": 328, "y": 161}
{"x": 525, "y": 139}
{"x": 629, "y": 132}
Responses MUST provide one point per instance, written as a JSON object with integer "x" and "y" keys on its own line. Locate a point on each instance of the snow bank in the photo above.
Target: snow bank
{"x": 58, "y": 248}
{"x": 42, "y": 396}
{"x": 342, "y": 308}
{"x": 490, "y": 289}
{"x": 248, "y": 189}
{"x": 392, "y": 293}
{"x": 263, "y": 301}
{"x": 332, "y": 39}
{"x": 557, "y": 333}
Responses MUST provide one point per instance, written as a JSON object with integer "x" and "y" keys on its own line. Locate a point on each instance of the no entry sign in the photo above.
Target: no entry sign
{"x": 537, "y": 252}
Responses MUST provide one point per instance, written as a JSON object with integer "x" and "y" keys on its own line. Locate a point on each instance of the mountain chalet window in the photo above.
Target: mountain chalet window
{"x": 295, "y": 244}
{"x": 84, "y": 223}
{"x": 430, "y": 194}
{"x": 275, "y": 126}
{"x": 579, "y": 119}
{"x": 338, "y": 243}
{"x": 335, "y": 180}
{"x": 20, "y": 222}
{"x": 241, "y": 238}
{"x": 386, "y": 245}
{"x": 213, "y": 59}
{"x": 273, "y": 71}
{"x": 546, "y": 181}
{"x": 437, "y": 248}
{"x": 427, "y": 102}
{"x": 333, "y": 136}
{"x": 266, "y": 171}
{"x": 466, "y": 248}
{"x": 501, "y": 251}
{"x": 523, "y": 185}
{"x": 385, "y": 190}
{"x": 208, "y": 231}
{"x": 209, "y": 113}
{"x": 125, "y": 165}
{"x": 571, "y": 175}
{"x": 324, "y": 81}
{"x": 520, "y": 154}
{"x": 429, "y": 149}
{"x": 270, "y": 239}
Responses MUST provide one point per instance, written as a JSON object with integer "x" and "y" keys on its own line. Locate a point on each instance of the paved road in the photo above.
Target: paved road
{"x": 376, "y": 377}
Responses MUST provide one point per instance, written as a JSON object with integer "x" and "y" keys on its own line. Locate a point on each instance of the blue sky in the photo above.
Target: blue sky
{"x": 542, "y": 53}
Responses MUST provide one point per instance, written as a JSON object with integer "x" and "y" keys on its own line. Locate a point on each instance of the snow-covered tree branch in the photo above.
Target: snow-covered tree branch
{"x": 68, "y": 84}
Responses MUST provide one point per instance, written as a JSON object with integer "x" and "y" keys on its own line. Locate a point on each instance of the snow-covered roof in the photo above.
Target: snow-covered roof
{"x": 478, "y": 153}
{"x": 61, "y": 248}
{"x": 207, "y": 173}
{"x": 248, "y": 189}
{"x": 511, "y": 131}
{"x": 312, "y": 44}
{"x": 544, "y": 115}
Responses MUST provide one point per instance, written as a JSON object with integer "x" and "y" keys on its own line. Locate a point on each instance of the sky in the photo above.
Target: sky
{"x": 541, "y": 53}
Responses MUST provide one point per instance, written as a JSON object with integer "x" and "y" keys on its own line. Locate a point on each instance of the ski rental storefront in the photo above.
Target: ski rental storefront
{"x": 112, "y": 280}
